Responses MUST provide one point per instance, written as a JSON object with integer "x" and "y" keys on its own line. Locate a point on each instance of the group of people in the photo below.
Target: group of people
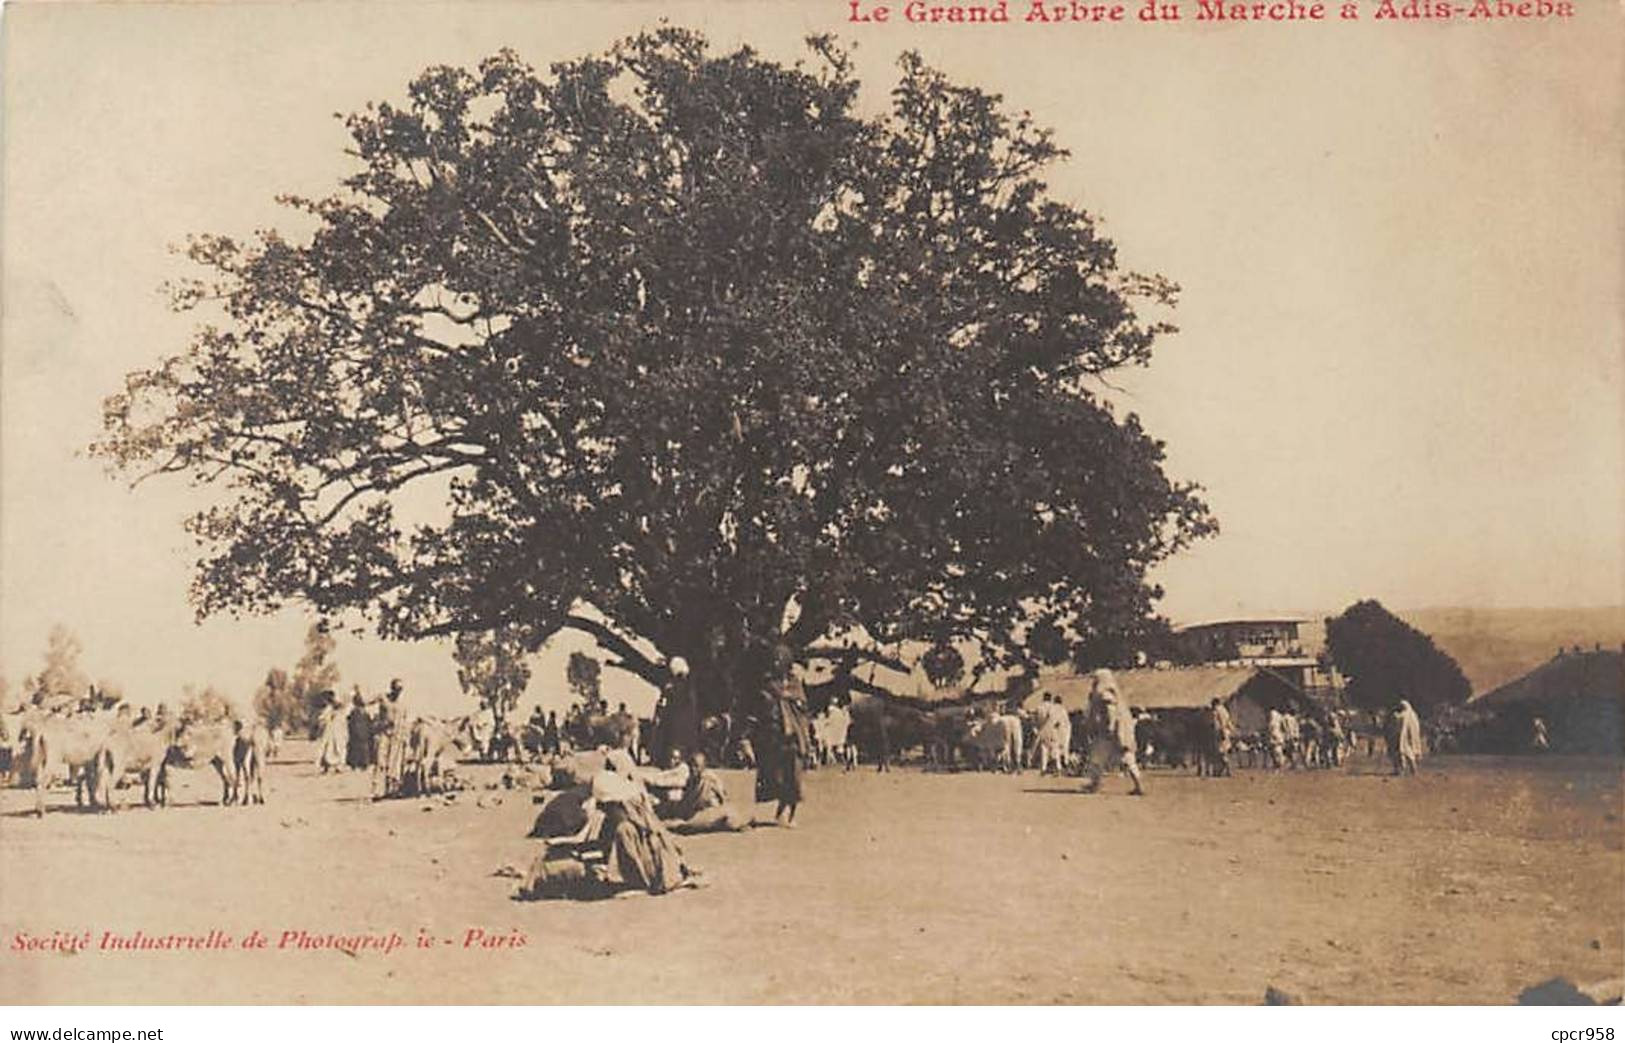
{"x": 1115, "y": 737}
{"x": 357, "y": 736}
{"x": 1052, "y": 735}
{"x": 543, "y": 736}
{"x": 1294, "y": 740}
{"x": 617, "y": 831}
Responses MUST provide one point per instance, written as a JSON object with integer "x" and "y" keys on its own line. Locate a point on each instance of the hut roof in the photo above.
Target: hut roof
{"x": 1241, "y": 621}
{"x": 1585, "y": 675}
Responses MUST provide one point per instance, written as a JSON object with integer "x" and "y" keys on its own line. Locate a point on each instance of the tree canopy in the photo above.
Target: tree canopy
{"x": 686, "y": 351}
{"x": 1386, "y": 659}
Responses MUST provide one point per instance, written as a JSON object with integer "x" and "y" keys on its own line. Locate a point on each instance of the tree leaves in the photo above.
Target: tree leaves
{"x": 1387, "y": 659}
{"x": 684, "y": 337}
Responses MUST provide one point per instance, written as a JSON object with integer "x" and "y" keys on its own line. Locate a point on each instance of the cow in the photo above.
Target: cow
{"x": 71, "y": 748}
{"x": 237, "y": 752}
{"x": 432, "y": 747}
{"x": 949, "y": 726}
{"x": 250, "y": 752}
{"x": 885, "y": 729}
{"x": 1169, "y": 739}
{"x": 140, "y": 750}
{"x": 615, "y": 730}
{"x": 505, "y": 745}
{"x": 995, "y": 742}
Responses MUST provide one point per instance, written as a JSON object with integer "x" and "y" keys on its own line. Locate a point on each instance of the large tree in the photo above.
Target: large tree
{"x": 681, "y": 350}
{"x": 1386, "y": 659}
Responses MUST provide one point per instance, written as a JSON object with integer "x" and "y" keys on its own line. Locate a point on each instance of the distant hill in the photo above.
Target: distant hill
{"x": 1497, "y": 645}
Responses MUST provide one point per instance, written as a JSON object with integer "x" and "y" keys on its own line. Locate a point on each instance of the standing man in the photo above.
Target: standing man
{"x": 1052, "y": 738}
{"x": 1224, "y": 733}
{"x": 1115, "y": 745}
{"x": 358, "y": 749}
{"x": 551, "y": 743}
{"x": 389, "y": 739}
{"x": 1407, "y": 729}
{"x": 1276, "y": 734}
{"x": 1294, "y": 740}
{"x": 1336, "y": 739}
{"x": 484, "y": 728}
{"x": 626, "y": 729}
{"x": 679, "y": 726}
{"x": 786, "y": 740}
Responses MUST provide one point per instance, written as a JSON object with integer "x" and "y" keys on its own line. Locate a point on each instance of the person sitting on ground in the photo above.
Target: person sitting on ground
{"x": 564, "y": 814}
{"x": 703, "y": 806}
{"x": 667, "y": 783}
{"x": 638, "y": 852}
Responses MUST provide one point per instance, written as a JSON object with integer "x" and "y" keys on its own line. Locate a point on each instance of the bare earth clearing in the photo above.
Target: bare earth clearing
{"x": 1464, "y": 885}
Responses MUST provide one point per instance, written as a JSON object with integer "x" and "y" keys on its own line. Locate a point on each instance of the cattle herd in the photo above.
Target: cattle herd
{"x": 98, "y": 751}
{"x": 95, "y": 751}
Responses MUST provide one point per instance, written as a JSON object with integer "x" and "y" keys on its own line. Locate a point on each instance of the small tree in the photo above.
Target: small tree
{"x": 206, "y": 704}
{"x": 277, "y": 704}
{"x": 62, "y": 677}
{"x": 315, "y": 674}
{"x": 1386, "y": 659}
{"x": 584, "y": 676}
{"x": 492, "y": 668}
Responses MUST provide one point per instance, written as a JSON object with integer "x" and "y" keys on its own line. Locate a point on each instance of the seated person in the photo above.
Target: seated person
{"x": 564, "y": 813}
{"x": 637, "y": 852}
{"x": 667, "y": 784}
{"x": 703, "y": 805}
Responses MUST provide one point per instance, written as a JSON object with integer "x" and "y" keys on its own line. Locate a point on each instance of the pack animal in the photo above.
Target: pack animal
{"x": 72, "y": 748}
{"x": 237, "y": 751}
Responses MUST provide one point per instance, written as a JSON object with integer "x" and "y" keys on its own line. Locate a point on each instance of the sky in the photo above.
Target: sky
{"x": 1399, "y": 372}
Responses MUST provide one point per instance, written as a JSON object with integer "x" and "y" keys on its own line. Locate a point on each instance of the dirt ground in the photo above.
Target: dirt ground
{"x": 1464, "y": 885}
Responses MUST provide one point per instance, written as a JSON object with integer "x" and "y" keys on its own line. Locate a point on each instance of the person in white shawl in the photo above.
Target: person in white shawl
{"x": 1114, "y": 745}
{"x": 1054, "y": 734}
{"x": 335, "y": 735}
{"x": 1408, "y": 745}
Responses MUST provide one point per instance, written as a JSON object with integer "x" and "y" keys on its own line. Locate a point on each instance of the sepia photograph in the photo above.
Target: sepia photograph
{"x": 812, "y": 503}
